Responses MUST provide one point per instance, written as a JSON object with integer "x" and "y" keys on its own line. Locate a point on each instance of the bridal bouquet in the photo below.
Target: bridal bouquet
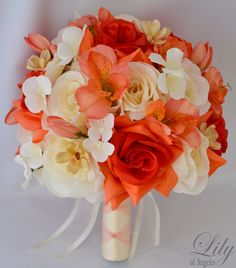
{"x": 113, "y": 108}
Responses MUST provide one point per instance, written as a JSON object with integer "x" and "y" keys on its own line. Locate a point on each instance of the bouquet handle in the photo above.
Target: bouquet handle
{"x": 116, "y": 231}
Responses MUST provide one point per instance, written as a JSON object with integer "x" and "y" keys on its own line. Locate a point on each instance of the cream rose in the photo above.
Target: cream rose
{"x": 62, "y": 101}
{"x": 70, "y": 171}
{"x": 192, "y": 168}
{"x": 143, "y": 88}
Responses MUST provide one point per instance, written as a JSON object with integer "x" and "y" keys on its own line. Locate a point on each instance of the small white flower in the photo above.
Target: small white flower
{"x": 70, "y": 41}
{"x": 27, "y": 171}
{"x": 35, "y": 90}
{"x": 101, "y": 129}
{"x": 31, "y": 158}
{"x": 100, "y": 150}
{"x": 182, "y": 79}
{"x": 32, "y": 154}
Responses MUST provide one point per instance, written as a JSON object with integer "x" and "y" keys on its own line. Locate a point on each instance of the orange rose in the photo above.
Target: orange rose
{"x": 144, "y": 153}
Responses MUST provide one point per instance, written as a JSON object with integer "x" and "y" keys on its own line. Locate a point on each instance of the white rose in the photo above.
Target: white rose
{"x": 182, "y": 79}
{"x": 192, "y": 168}
{"x": 70, "y": 171}
{"x": 143, "y": 88}
{"x": 62, "y": 101}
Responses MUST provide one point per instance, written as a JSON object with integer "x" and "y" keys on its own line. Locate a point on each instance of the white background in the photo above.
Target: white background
{"x": 26, "y": 217}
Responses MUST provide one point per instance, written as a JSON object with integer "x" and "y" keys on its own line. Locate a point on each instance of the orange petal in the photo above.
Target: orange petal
{"x": 10, "y": 118}
{"x": 91, "y": 102}
{"x": 156, "y": 108}
{"x": 38, "y": 42}
{"x": 99, "y": 66}
{"x": 120, "y": 83}
{"x": 137, "y": 55}
{"x": 62, "y": 128}
{"x": 38, "y": 135}
{"x": 87, "y": 42}
{"x": 28, "y": 120}
{"x": 167, "y": 182}
{"x": 112, "y": 185}
{"x": 104, "y": 14}
{"x": 216, "y": 161}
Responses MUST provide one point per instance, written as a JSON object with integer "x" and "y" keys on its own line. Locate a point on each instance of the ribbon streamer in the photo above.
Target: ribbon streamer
{"x": 62, "y": 228}
{"x": 138, "y": 224}
{"x": 86, "y": 232}
{"x": 92, "y": 221}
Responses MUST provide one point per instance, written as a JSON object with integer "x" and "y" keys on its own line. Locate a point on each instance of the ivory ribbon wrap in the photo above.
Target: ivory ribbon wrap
{"x": 116, "y": 232}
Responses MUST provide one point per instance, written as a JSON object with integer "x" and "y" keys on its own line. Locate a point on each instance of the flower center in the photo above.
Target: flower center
{"x": 74, "y": 158}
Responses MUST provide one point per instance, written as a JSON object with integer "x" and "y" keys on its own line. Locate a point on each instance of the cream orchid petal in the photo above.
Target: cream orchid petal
{"x": 174, "y": 58}
{"x": 162, "y": 83}
{"x": 30, "y": 85}
{"x": 94, "y": 133}
{"x": 44, "y": 84}
{"x": 106, "y": 135}
{"x": 176, "y": 84}
{"x": 157, "y": 58}
{"x": 108, "y": 148}
{"x": 35, "y": 162}
{"x": 35, "y": 103}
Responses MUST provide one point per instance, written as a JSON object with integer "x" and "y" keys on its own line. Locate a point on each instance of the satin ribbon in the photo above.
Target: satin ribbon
{"x": 66, "y": 224}
{"x": 138, "y": 224}
{"x": 109, "y": 234}
{"x": 121, "y": 235}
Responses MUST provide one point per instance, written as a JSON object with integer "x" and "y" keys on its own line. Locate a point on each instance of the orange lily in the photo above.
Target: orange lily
{"x": 19, "y": 114}
{"x": 107, "y": 81}
{"x": 180, "y": 115}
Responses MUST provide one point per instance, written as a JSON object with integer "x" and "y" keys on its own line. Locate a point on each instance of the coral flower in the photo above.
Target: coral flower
{"x": 144, "y": 153}
{"x": 217, "y": 91}
{"x": 107, "y": 81}
{"x": 19, "y": 114}
{"x": 173, "y": 41}
{"x": 202, "y": 55}
{"x": 180, "y": 115}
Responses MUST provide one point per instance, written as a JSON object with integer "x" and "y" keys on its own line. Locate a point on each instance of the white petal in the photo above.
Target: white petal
{"x": 157, "y": 58}
{"x": 201, "y": 86}
{"x": 190, "y": 67}
{"x": 72, "y": 35}
{"x": 161, "y": 81}
{"x": 90, "y": 145}
{"x": 109, "y": 121}
{"x": 45, "y": 84}
{"x": 94, "y": 133}
{"x": 64, "y": 53}
{"x": 174, "y": 58}
{"x": 27, "y": 171}
{"x": 28, "y": 149}
{"x": 176, "y": 84}
{"x": 30, "y": 85}
{"x": 106, "y": 135}
{"x": 108, "y": 148}
{"x": 35, "y": 103}
{"x": 35, "y": 162}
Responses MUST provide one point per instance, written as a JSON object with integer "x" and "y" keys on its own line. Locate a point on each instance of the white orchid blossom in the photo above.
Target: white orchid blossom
{"x": 35, "y": 90}
{"x": 69, "y": 45}
{"x": 182, "y": 79}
